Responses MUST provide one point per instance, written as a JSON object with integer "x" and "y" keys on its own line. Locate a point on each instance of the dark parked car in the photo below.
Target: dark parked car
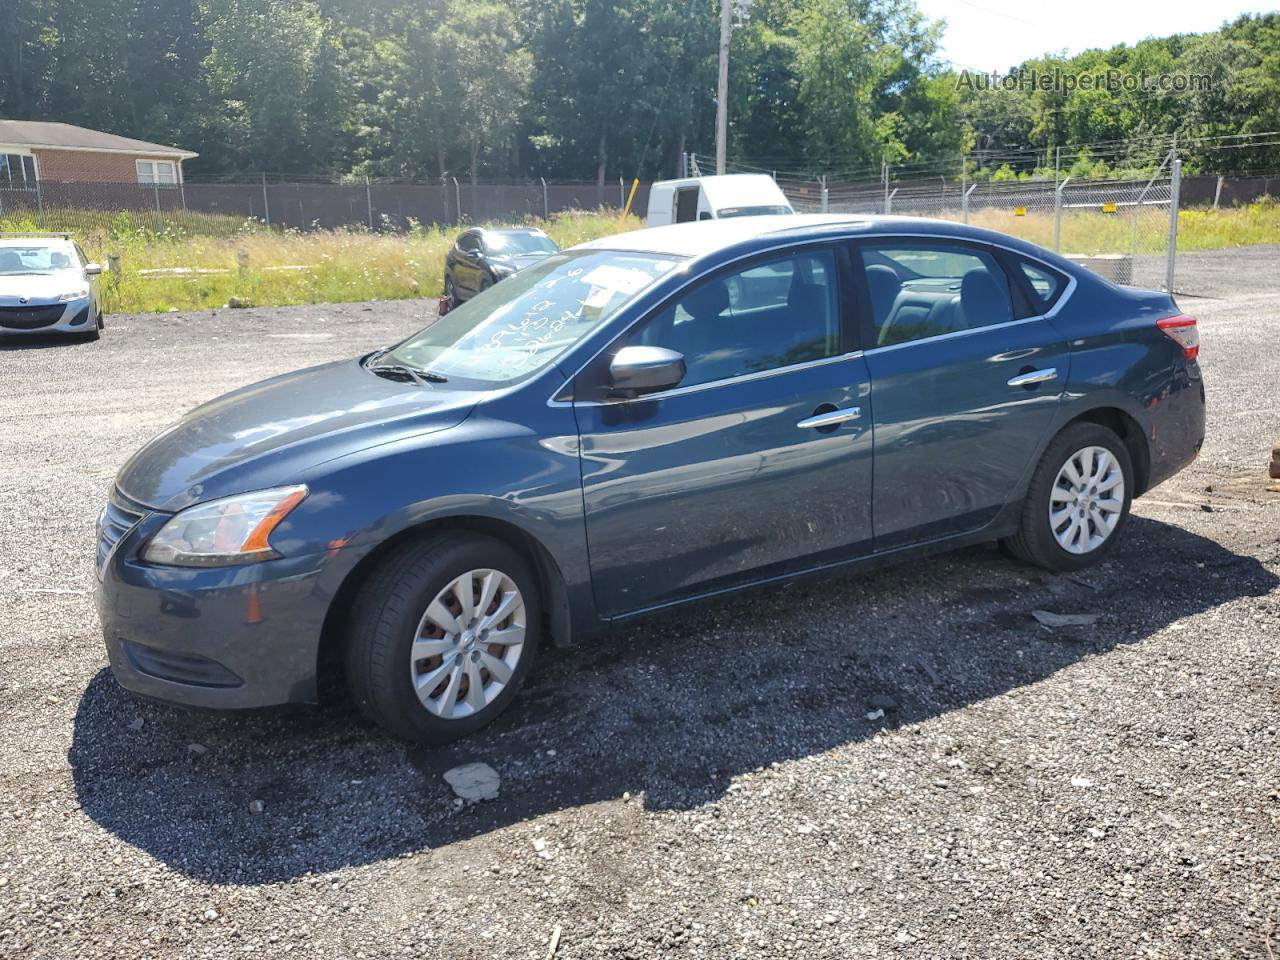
{"x": 481, "y": 256}
{"x": 635, "y": 423}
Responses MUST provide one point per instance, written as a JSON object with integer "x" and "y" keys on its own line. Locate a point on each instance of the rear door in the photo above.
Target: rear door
{"x": 687, "y": 204}
{"x": 965, "y": 382}
{"x": 757, "y": 464}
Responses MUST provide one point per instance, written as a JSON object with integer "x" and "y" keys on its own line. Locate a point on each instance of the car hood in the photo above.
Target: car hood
{"x": 274, "y": 432}
{"x": 39, "y": 287}
{"x": 522, "y": 261}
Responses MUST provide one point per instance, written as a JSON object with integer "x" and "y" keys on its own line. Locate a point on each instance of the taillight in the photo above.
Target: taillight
{"x": 1182, "y": 329}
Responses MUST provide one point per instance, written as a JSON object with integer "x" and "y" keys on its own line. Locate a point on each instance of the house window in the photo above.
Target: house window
{"x": 17, "y": 171}
{"x": 162, "y": 172}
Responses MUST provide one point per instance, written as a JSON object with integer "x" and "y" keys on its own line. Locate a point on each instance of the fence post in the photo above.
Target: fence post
{"x": 266, "y": 207}
{"x": 825, "y": 196}
{"x": 1057, "y": 214}
{"x": 964, "y": 204}
{"x": 546, "y": 203}
{"x": 457, "y": 194}
{"x": 159, "y": 212}
{"x": 1217, "y": 193}
{"x": 884, "y": 175}
{"x": 622, "y": 194}
{"x": 888, "y": 201}
{"x": 368, "y": 200}
{"x": 1175, "y": 189}
{"x": 40, "y": 202}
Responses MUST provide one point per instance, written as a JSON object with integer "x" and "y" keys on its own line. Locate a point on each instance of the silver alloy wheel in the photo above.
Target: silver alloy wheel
{"x": 1087, "y": 500}
{"x": 468, "y": 644}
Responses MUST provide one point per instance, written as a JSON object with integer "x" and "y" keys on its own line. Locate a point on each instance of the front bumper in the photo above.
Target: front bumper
{"x": 224, "y": 638}
{"x": 39, "y": 319}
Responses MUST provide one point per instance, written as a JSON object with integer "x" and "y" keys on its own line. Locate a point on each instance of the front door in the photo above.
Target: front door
{"x": 963, "y": 389}
{"x": 757, "y": 464}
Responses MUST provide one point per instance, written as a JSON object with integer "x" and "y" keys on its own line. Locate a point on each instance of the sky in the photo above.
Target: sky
{"x": 987, "y": 35}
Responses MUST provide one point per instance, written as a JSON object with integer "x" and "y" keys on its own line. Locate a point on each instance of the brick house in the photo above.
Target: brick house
{"x": 32, "y": 150}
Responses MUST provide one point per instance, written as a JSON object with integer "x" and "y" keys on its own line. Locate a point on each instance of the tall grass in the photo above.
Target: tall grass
{"x": 272, "y": 268}
{"x": 1147, "y": 231}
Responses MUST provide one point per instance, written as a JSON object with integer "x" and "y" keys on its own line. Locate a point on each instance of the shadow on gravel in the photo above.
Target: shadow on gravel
{"x": 670, "y": 709}
{"x": 40, "y": 341}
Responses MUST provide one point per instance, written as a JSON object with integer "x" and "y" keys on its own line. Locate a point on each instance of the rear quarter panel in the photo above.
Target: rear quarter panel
{"x": 1121, "y": 359}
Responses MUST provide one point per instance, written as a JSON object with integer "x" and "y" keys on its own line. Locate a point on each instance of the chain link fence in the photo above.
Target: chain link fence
{"x": 224, "y": 208}
{"x": 1119, "y": 228}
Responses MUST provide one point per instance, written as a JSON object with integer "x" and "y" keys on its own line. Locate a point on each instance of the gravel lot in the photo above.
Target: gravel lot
{"x": 707, "y": 785}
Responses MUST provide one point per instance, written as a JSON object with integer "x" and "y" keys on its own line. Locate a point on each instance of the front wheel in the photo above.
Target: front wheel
{"x": 442, "y": 636}
{"x": 1078, "y": 500}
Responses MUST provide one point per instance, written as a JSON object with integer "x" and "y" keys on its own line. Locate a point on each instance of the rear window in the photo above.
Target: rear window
{"x": 725, "y": 213}
{"x": 1046, "y": 284}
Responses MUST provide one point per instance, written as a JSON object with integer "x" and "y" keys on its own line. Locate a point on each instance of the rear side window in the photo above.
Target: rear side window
{"x": 929, "y": 289}
{"x": 1046, "y": 284}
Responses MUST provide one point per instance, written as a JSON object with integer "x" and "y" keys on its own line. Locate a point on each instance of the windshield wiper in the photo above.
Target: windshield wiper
{"x": 420, "y": 376}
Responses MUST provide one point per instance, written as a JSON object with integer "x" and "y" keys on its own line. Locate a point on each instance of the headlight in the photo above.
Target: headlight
{"x": 79, "y": 294}
{"x": 224, "y": 532}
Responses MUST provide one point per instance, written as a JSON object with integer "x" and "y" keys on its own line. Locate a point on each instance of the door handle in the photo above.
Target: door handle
{"x": 1032, "y": 377}
{"x": 830, "y": 418}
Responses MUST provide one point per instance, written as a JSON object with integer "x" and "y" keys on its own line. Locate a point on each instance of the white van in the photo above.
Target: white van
{"x": 715, "y": 198}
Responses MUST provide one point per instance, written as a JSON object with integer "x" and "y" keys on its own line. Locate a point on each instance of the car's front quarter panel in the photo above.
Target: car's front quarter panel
{"x": 264, "y": 621}
{"x": 525, "y": 474}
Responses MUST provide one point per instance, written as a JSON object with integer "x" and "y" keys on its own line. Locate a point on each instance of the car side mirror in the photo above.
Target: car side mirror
{"x": 92, "y": 269}
{"x": 637, "y": 370}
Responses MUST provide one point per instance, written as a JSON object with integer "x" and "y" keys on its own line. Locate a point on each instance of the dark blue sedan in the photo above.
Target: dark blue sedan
{"x": 634, "y": 423}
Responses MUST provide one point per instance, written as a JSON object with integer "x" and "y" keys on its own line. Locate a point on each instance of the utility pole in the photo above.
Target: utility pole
{"x": 722, "y": 99}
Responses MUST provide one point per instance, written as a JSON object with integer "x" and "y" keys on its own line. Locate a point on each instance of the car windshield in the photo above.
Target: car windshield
{"x": 520, "y": 325}
{"x": 725, "y": 213}
{"x": 35, "y": 258}
{"x": 515, "y": 244}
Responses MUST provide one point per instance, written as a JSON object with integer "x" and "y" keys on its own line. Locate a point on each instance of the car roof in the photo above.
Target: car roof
{"x": 57, "y": 243}
{"x": 706, "y": 237}
{"x": 536, "y": 231}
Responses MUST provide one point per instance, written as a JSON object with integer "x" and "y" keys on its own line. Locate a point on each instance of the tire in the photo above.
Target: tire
{"x": 91, "y": 336}
{"x": 1097, "y": 519}
{"x": 449, "y": 291}
{"x": 102, "y": 321}
{"x": 394, "y": 607}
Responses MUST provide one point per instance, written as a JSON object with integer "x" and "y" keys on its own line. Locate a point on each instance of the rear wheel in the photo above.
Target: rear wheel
{"x": 1078, "y": 501}
{"x": 442, "y": 636}
{"x": 449, "y": 292}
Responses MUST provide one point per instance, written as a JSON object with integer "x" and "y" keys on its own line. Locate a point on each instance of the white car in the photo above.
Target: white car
{"x": 715, "y": 198}
{"x": 48, "y": 285}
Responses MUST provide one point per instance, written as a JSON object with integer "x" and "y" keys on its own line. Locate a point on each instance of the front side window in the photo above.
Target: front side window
{"x": 774, "y": 313}
{"x": 931, "y": 289}
{"x": 517, "y": 327}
